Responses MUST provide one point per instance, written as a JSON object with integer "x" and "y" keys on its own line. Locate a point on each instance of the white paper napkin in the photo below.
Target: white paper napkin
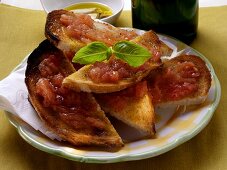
{"x": 14, "y": 99}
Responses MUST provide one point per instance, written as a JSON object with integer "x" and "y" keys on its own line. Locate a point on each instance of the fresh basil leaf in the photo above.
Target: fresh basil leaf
{"x": 134, "y": 54}
{"x": 95, "y": 51}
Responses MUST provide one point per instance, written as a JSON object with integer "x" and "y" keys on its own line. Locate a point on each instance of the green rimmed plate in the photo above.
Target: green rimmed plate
{"x": 173, "y": 127}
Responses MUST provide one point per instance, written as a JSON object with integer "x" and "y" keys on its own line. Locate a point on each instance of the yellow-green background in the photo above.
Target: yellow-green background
{"x": 22, "y": 30}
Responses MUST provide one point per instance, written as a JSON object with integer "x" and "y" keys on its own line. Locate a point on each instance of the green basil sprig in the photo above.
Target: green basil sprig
{"x": 132, "y": 53}
{"x": 95, "y": 51}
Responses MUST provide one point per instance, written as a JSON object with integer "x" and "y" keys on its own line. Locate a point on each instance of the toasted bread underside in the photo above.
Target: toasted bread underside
{"x": 107, "y": 138}
{"x": 79, "y": 81}
{"x": 138, "y": 113}
{"x": 204, "y": 82}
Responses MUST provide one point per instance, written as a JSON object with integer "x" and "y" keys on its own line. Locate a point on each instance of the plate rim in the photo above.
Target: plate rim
{"x": 124, "y": 157}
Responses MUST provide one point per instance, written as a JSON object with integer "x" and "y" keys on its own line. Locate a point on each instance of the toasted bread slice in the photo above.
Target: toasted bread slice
{"x": 80, "y": 122}
{"x": 136, "y": 110}
{"x": 56, "y": 31}
{"x": 151, "y": 41}
{"x": 79, "y": 81}
{"x": 183, "y": 80}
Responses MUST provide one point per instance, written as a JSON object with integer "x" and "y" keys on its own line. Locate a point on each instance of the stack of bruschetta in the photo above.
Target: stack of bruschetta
{"x": 74, "y": 100}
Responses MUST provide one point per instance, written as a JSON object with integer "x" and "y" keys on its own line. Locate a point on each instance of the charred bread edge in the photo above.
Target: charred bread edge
{"x": 52, "y": 23}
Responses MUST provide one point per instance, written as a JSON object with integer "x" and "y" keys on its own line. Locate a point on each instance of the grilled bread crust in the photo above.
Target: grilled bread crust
{"x": 110, "y": 140}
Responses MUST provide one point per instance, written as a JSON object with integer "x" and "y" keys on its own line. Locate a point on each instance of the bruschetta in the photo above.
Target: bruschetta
{"x": 115, "y": 75}
{"x": 183, "y": 80}
{"x": 74, "y": 117}
{"x": 69, "y": 31}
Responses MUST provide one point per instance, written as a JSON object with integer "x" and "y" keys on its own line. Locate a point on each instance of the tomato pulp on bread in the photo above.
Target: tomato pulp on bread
{"x": 118, "y": 100}
{"x": 75, "y": 109}
{"x": 115, "y": 70}
{"x": 83, "y": 28}
{"x": 174, "y": 82}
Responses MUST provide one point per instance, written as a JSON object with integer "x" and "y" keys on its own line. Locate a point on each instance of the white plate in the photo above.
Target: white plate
{"x": 173, "y": 127}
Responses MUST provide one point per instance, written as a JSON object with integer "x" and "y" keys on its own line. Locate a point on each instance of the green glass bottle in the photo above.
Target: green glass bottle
{"x": 177, "y": 18}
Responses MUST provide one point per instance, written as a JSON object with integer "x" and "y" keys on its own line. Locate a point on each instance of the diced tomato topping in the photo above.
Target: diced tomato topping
{"x": 110, "y": 72}
{"x": 49, "y": 66}
{"x": 57, "y": 79}
{"x": 82, "y": 27}
{"x": 141, "y": 89}
{"x": 113, "y": 71}
{"x": 119, "y": 100}
{"x": 45, "y": 89}
{"x": 74, "y": 108}
{"x": 175, "y": 82}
